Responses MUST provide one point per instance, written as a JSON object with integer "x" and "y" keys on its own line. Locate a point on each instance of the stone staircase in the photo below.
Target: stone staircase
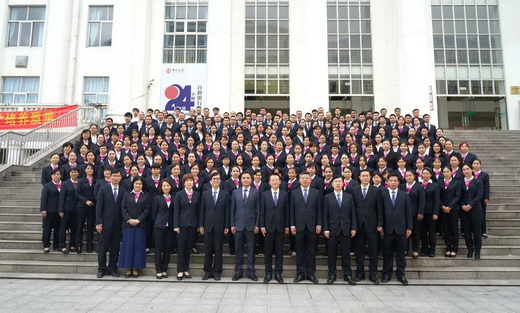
{"x": 21, "y": 252}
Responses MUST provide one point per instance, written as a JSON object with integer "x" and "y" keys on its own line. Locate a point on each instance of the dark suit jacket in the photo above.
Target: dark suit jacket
{"x": 135, "y": 210}
{"x": 185, "y": 214}
{"x": 46, "y": 174}
{"x": 99, "y": 184}
{"x": 162, "y": 213}
{"x": 130, "y": 128}
{"x": 369, "y": 210}
{"x": 473, "y": 195}
{"x": 214, "y": 216}
{"x": 68, "y": 201}
{"x": 417, "y": 197}
{"x": 85, "y": 192}
{"x": 245, "y": 216}
{"x": 398, "y": 217}
{"x": 433, "y": 199}
{"x": 339, "y": 220}
{"x": 274, "y": 216}
{"x": 50, "y": 198}
{"x": 108, "y": 211}
{"x": 306, "y": 215}
{"x": 484, "y": 177}
{"x": 450, "y": 196}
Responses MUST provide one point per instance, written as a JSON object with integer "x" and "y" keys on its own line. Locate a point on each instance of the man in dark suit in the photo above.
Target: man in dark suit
{"x": 214, "y": 224}
{"x": 339, "y": 225}
{"x": 274, "y": 224}
{"x": 148, "y": 123}
{"x": 369, "y": 213}
{"x": 245, "y": 203}
{"x": 397, "y": 228}
{"x": 306, "y": 215}
{"x": 129, "y": 125}
{"x": 108, "y": 224}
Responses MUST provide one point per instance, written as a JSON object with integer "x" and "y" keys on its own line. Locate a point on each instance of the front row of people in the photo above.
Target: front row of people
{"x": 345, "y": 216}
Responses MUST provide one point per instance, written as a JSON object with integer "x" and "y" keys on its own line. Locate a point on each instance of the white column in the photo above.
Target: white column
{"x": 219, "y": 62}
{"x": 509, "y": 25}
{"x": 308, "y": 55}
{"x": 403, "y": 58}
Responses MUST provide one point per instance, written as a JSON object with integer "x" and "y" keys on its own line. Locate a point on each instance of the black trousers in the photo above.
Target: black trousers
{"x": 292, "y": 239}
{"x": 149, "y": 231}
{"x": 88, "y": 214}
{"x": 450, "y": 222}
{"x": 184, "y": 242}
{"x": 364, "y": 238}
{"x": 50, "y": 223}
{"x": 162, "y": 242}
{"x": 213, "y": 248}
{"x": 428, "y": 234}
{"x": 415, "y": 238}
{"x": 109, "y": 240}
{"x": 472, "y": 222}
{"x": 68, "y": 221}
{"x": 231, "y": 242}
{"x": 306, "y": 252}
{"x": 484, "y": 226}
{"x": 394, "y": 244}
{"x": 274, "y": 243}
{"x": 260, "y": 242}
{"x": 242, "y": 237}
{"x": 344, "y": 242}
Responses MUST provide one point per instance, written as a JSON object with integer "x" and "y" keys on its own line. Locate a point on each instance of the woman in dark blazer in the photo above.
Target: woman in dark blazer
{"x": 86, "y": 209}
{"x": 135, "y": 207}
{"x": 162, "y": 216}
{"x": 49, "y": 209}
{"x": 484, "y": 177}
{"x": 450, "y": 197}
{"x": 416, "y": 194}
{"x": 47, "y": 169}
{"x": 185, "y": 220}
{"x": 431, "y": 212}
{"x": 454, "y": 162}
{"x": 470, "y": 203}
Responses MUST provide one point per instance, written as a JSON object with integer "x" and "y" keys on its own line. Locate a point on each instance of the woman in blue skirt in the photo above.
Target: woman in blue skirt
{"x": 135, "y": 208}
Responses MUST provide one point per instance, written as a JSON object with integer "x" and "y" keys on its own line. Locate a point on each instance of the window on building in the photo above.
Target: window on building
{"x": 100, "y": 26}
{"x": 26, "y": 26}
{"x": 95, "y": 90}
{"x": 185, "y": 32}
{"x": 267, "y": 47}
{"x": 20, "y": 89}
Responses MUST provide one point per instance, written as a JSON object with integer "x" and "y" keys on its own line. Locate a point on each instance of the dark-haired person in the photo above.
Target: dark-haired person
{"x": 471, "y": 205}
{"x": 244, "y": 215}
{"x": 86, "y": 208}
{"x": 465, "y": 155}
{"x": 71, "y": 163}
{"x": 67, "y": 211}
{"x": 162, "y": 217}
{"x": 185, "y": 223}
{"x": 128, "y": 125}
{"x": 339, "y": 225}
{"x": 451, "y": 191}
{"x": 397, "y": 227}
{"x": 47, "y": 169}
{"x": 431, "y": 212}
{"x": 484, "y": 177}
{"x": 135, "y": 207}
{"x": 416, "y": 195}
{"x": 151, "y": 184}
{"x": 84, "y": 139}
{"x": 108, "y": 223}
{"x": 274, "y": 224}
{"x": 214, "y": 224}
{"x": 49, "y": 209}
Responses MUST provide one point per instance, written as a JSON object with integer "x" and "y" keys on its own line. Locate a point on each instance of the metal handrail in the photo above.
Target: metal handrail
{"x": 22, "y": 148}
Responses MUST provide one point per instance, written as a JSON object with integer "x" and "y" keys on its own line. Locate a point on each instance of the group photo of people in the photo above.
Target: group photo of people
{"x": 265, "y": 186}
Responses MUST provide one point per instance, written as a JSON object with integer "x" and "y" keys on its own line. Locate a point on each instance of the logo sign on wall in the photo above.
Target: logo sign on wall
{"x": 183, "y": 86}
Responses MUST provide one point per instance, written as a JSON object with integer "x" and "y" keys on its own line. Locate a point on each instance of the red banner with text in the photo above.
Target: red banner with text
{"x": 33, "y": 119}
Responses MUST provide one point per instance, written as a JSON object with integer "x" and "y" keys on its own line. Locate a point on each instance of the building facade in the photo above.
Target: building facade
{"x": 454, "y": 59}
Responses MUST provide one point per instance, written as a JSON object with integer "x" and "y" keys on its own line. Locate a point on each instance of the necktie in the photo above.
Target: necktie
{"x": 190, "y": 197}
{"x": 245, "y": 195}
{"x": 305, "y": 195}
{"x": 393, "y": 197}
{"x": 364, "y": 192}
{"x": 214, "y": 197}
{"x": 75, "y": 184}
{"x": 339, "y": 199}
{"x": 115, "y": 194}
{"x": 275, "y": 197}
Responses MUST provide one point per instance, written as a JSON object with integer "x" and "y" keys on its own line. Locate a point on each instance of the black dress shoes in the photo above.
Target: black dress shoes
{"x": 232, "y": 252}
{"x": 349, "y": 280}
{"x": 470, "y": 254}
{"x": 206, "y": 276}
{"x": 89, "y": 248}
{"x": 298, "y": 278}
{"x": 385, "y": 279}
{"x": 360, "y": 278}
{"x": 268, "y": 278}
{"x": 79, "y": 250}
{"x": 373, "y": 279}
{"x": 115, "y": 274}
{"x": 100, "y": 274}
{"x": 252, "y": 276}
{"x": 477, "y": 255}
{"x": 403, "y": 280}
{"x": 331, "y": 279}
{"x": 236, "y": 277}
{"x": 313, "y": 279}
{"x": 216, "y": 277}
{"x": 278, "y": 278}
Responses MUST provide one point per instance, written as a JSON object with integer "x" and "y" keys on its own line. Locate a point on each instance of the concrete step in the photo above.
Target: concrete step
{"x": 7, "y": 209}
{"x": 23, "y": 217}
{"x": 31, "y": 179}
{"x": 19, "y": 203}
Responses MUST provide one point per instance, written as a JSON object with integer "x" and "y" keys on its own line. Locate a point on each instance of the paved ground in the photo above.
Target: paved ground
{"x": 103, "y": 296}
